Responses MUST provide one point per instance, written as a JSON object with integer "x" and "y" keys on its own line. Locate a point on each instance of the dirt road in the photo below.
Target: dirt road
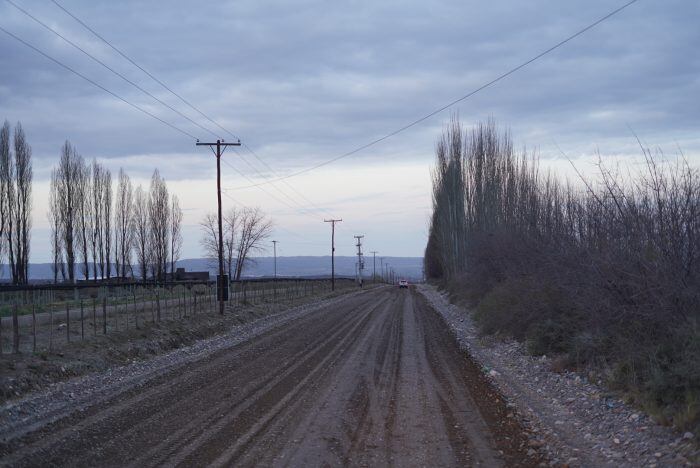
{"x": 373, "y": 380}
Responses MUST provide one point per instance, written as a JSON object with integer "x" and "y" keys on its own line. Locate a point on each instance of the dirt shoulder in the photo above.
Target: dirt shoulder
{"x": 575, "y": 422}
{"x": 30, "y": 372}
{"x": 367, "y": 379}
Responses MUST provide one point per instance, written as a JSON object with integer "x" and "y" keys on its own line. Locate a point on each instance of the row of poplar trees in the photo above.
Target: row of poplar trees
{"x": 100, "y": 234}
{"x": 604, "y": 270}
{"x": 15, "y": 201}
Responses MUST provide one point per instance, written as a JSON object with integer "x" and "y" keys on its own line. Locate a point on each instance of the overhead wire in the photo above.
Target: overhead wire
{"x": 180, "y": 97}
{"x": 94, "y": 83}
{"x": 139, "y": 108}
{"x": 126, "y": 57}
{"x": 448, "y": 105}
{"x": 132, "y": 83}
{"x": 107, "y": 67}
{"x": 316, "y": 166}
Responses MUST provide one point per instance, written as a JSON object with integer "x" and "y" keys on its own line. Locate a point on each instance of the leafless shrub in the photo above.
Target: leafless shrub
{"x": 609, "y": 274}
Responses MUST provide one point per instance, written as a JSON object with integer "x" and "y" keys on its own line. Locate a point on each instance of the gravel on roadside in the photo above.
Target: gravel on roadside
{"x": 572, "y": 421}
{"x": 60, "y": 400}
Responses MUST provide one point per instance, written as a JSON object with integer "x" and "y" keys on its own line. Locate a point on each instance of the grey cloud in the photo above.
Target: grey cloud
{"x": 304, "y": 81}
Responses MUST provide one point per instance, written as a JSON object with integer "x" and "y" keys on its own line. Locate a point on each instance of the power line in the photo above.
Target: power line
{"x": 135, "y": 106}
{"x": 132, "y": 83}
{"x": 113, "y": 47}
{"x": 448, "y": 105}
{"x": 94, "y": 83}
{"x": 185, "y": 101}
{"x": 307, "y": 213}
{"x": 95, "y": 59}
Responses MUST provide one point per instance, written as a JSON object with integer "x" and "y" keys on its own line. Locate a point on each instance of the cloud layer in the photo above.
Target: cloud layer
{"x": 303, "y": 81}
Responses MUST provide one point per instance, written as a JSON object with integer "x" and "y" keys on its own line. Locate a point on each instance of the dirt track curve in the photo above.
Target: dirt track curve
{"x": 374, "y": 380}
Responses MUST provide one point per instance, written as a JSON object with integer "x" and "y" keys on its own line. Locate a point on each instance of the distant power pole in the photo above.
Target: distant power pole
{"x": 332, "y": 221}
{"x": 274, "y": 247}
{"x": 221, "y": 294}
{"x": 360, "y": 262}
{"x": 381, "y": 264}
{"x": 374, "y": 266}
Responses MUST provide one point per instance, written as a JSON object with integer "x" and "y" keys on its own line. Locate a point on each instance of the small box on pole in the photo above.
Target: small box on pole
{"x": 222, "y": 286}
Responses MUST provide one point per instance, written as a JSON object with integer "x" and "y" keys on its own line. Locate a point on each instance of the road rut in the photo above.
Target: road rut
{"x": 374, "y": 380}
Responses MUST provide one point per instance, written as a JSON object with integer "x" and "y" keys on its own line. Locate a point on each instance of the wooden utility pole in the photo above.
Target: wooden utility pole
{"x": 360, "y": 261}
{"x": 332, "y": 221}
{"x": 374, "y": 266}
{"x": 221, "y": 294}
{"x": 274, "y": 247}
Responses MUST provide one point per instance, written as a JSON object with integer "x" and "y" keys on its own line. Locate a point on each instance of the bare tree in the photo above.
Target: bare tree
{"x": 123, "y": 238}
{"x": 210, "y": 239}
{"x": 85, "y": 223}
{"x": 101, "y": 212}
{"x": 17, "y": 183}
{"x": 254, "y": 229}
{"x": 141, "y": 231}
{"x": 96, "y": 207}
{"x": 54, "y": 217}
{"x": 231, "y": 234}
{"x": 107, "y": 223}
{"x": 67, "y": 186}
{"x": 175, "y": 233}
{"x": 159, "y": 221}
{"x": 5, "y": 184}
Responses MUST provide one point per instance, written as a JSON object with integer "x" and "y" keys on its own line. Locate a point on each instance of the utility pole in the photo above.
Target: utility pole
{"x": 221, "y": 293}
{"x": 374, "y": 266}
{"x": 381, "y": 264}
{"x": 332, "y": 221}
{"x": 360, "y": 262}
{"x": 274, "y": 244}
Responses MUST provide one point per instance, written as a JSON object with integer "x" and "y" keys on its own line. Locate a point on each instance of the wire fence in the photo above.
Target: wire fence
{"x": 43, "y": 318}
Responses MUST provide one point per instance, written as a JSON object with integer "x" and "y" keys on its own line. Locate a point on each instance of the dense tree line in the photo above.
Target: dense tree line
{"x": 93, "y": 227}
{"x": 15, "y": 201}
{"x": 244, "y": 231}
{"x": 604, "y": 272}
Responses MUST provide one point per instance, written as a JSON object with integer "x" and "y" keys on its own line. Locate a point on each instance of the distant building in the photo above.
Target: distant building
{"x": 182, "y": 275}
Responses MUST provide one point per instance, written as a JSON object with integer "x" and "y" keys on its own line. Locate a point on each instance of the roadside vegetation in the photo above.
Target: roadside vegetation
{"x": 603, "y": 273}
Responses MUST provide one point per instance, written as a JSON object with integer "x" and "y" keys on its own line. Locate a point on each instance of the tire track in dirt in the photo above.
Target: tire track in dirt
{"x": 375, "y": 379}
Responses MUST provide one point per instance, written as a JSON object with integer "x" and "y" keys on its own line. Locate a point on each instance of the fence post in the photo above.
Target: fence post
{"x": 94, "y": 315}
{"x": 158, "y": 302}
{"x": 82, "y": 321}
{"x": 153, "y": 312}
{"x": 67, "y": 323}
{"x": 104, "y": 314}
{"x": 50, "y": 329}
{"x": 15, "y": 330}
{"x": 136, "y": 310}
{"x": 33, "y": 328}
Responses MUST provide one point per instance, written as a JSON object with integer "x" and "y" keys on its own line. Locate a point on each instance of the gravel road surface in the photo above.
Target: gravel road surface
{"x": 370, "y": 379}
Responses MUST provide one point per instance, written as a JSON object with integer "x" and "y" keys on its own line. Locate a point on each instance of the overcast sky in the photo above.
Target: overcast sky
{"x": 301, "y": 82}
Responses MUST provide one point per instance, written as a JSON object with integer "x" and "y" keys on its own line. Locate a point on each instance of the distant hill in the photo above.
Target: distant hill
{"x": 409, "y": 267}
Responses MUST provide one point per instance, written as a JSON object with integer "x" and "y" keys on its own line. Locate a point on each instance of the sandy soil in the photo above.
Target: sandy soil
{"x": 372, "y": 378}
